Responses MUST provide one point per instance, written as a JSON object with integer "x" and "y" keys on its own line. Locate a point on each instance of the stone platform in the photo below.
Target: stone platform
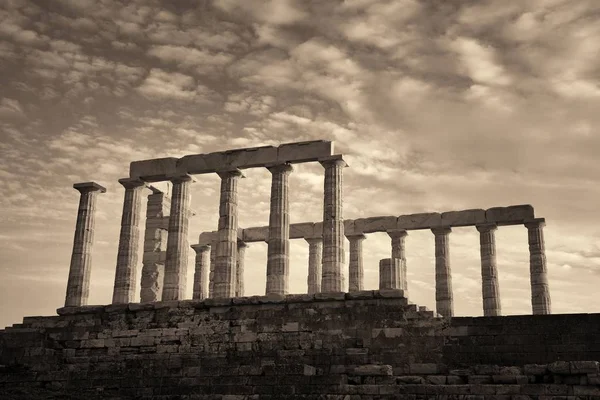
{"x": 360, "y": 345}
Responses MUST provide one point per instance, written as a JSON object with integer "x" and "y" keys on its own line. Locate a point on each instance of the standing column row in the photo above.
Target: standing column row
{"x": 78, "y": 284}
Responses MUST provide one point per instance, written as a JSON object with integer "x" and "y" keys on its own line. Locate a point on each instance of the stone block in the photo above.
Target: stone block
{"x": 299, "y": 298}
{"x": 375, "y": 224}
{"x": 390, "y": 294}
{"x": 535, "y": 369}
{"x": 560, "y": 367}
{"x": 349, "y": 227}
{"x": 250, "y": 157}
{"x": 304, "y": 151}
{"x": 463, "y": 218}
{"x": 419, "y": 221}
{"x": 156, "y": 223}
{"x": 301, "y": 230}
{"x": 206, "y": 238}
{"x": 509, "y": 215}
{"x": 153, "y": 170}
{"x": 256, "y": 234}
{"x": 424, "y": 368}
{"x": 332, "y": 296}
{"x": 410, "y": 380}
{"x": 371, "y": 370}
{"x": 436, "y": 379}
{"x": 360, "y": 295}
{"x": 154, "y": 257}
{"x": 584, "y": 367}
{"x": 318, "y": 229}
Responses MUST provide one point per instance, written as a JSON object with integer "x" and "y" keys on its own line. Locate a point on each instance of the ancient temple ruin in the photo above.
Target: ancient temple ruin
{"x": 220, "y": 254}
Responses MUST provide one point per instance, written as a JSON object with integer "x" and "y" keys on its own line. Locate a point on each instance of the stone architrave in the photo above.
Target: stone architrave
{"x": 315, "y": 253}
{"x": 78, "y": 284}
{"x": 356, "y": 267}
{"x": 211, "y": 274}
{"x": 226, "y": 257}
{"x": 489, "y": 272}
{"x": 201, "y": 271}
{"x": 398, "y": 237}
{"x": 443, "y": 276}
{"x": 239, "y": 272}
{"x": 333, "y": 225}
{"x": 129, "y": 242}
{"x": 540, "y": 290}
{"x": 155, "y": 246}
{"x": 278, "y": 242}
{"x": 176, "y": 262}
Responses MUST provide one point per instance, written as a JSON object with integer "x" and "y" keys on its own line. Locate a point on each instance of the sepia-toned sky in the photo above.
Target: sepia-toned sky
{"x": 436, "y": 106}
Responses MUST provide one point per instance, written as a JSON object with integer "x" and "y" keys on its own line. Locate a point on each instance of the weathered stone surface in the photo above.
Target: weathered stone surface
{"x": 258, "y": 234}
{"x": 443, "y": 276}
{"x": 302, "y": 230}
{"x": 509, "y": 215}
{"x": 538, "y": 271}
{"x": 356, "y": 266}
{"x": 375, "y": 224}
{"x": 489, "y": 271}
{"x": 153, "y": 170}
{"x": 315, "y": 256}
{"x": 463, "y": 217}
{"x": 304, "y": 151}
{"x": 419, "y": 221}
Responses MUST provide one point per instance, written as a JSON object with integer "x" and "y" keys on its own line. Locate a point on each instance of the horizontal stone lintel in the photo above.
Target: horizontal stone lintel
{"x": 237, "y": 301}
{"x": 160, "y": 169}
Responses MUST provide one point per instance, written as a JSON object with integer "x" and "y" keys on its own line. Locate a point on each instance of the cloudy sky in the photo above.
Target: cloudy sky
{"x": 437, "y": 106}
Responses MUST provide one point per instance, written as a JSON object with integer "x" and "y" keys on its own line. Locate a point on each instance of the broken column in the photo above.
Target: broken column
{"x": 239, "y": 272}
{"x": 278, "y": 241}
{"x": 129, "y": 242}
{"x": 443, "y": 278}
{"x": 489, "y": 271}
{"x": 356, "y": 268}
{"x": 387, "y": 271}
{"x": 78, "y": 284}
{"x": 201, "y": 271}
{"x": 177, "y": 242}
{"x": 398, "y": 237}
{"x": 226, "y": 257}
{"x": 315, "y": 253}
{"x": 211, "y": 275}
{"x": 333, "y": 225}
{"x": 155, "y": 246}
{"x": 540, "y": 291}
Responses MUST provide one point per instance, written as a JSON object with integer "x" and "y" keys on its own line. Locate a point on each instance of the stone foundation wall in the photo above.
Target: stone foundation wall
{"x": 362, "y": 345}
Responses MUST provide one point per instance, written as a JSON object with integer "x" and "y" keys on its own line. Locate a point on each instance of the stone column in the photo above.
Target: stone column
{"x": 155, "y": 246}
{"x": 398, "y": 237}
{"x": 78, "y": 284}
{"x": 315, "y": 253}
{"x": 489, "y": 272}
{"x": 540, "y": 291}
{"x": 333, "y": 225}
{"x": 226, "y": 257}
{"x": 239, "y": 272}
{"x": 176, "y": 262}
{"x": 356, "y": 268}
{"x": 129, "y": 242}
{"x": 211, "y": 275}
{"x": 443, "y": 278}
{"x": 201, "y": 271}
{"x": 278, "y": 242}
{"x": 387, "y": 267}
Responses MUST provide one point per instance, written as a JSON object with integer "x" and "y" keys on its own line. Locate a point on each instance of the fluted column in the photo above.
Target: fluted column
{"x": 78, "y": 284}
{"x": 176, "y": 262}
{"x": 201, "y": 271}
{"x": 278, "y": 242}
{"x": 540, "y": 290}
{"x": 155, "y": 246}
{"x": 443, "y": 277}
{"x": 129, "y": 242}
{"x": 239, "y": 272}
{"x": 315, "y": 254}
{"x": 211, "y": 275}
{"x": 226, "y": 257}
{"x": 356, "y": 267}
{"x": 489, "y": 271}
{"x": 398, "y": 237}
{"x": 333, "y": 225}
{"x": 387, "y": 272}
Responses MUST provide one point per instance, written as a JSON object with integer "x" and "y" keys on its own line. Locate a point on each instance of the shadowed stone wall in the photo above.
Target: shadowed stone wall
{"x": 360, "y": 345}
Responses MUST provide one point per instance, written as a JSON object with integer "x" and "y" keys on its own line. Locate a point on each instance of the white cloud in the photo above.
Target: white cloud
{"x": 161, "y": 85}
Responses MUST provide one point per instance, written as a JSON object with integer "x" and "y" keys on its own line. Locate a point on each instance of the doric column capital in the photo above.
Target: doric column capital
{"x": 131, "y": 183}
{"x": 486, "y": 227}
{"x": 314, "y": 239}
{"x": 154, "y": 189}
{"x": 356, "y": 237}
{"x": 242, "y": 245}
{"x": 397, "y": 233}
{"x": 85, "y": 187}
{"x": 180, "y": 178}
{"x": 232, "y": 173}
{"x": 200, "y": 248}
{"x": 441, "y": 230}
{"x": 282, "y": 168}
{"x": 336, "y": 160}
{"x": 535, "y": 223}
